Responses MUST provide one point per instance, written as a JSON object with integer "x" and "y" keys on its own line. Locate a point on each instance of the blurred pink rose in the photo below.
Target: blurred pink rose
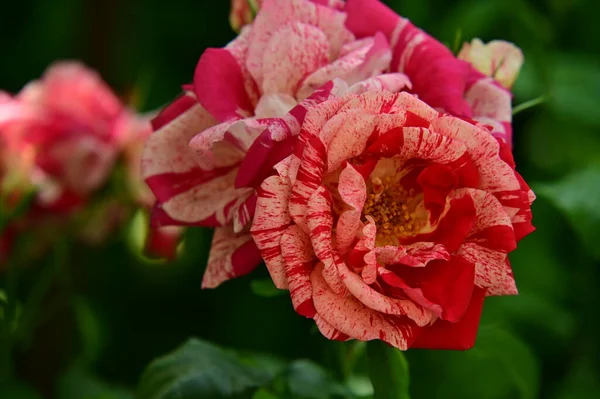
{"x": 498, "y": 59}
{"x": 66, "y": 120}
{"x": 192, "y": 160}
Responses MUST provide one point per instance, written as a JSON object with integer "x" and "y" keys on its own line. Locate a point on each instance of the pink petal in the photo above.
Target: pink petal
{"x": 339, "y": 68}
{"x": 392, "y": 82}
{"x": 276, "y": 14}
{"x": 276, "y": 142}
{"x": 308, "y": 180}
{"x": 379, "y": 302}
{"x": 299, "y": 263}
{"x": 294, "y": 51}
{"x": 170, "y": 167}
{"x": 491, "y": 268}
{"x": 438, "y": 77}
{"x": 319, "y": 221}
{"x": 484, "y": 151}
{"x": 418, "y": 254}
{"x": 328, "y": 331}
{"x": 271, "y": 220}
{"x": 493, "y": 227}
{"x": 347, "y": 315}
{"x": 219, "y": 85}
{"x": 209, "y": 202}
{"x": 489, "y": 101}
{"x": 244, "y": 212}
{"x": 231, "y": 255}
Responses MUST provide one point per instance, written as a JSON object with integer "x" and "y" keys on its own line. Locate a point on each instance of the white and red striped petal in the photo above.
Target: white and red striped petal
{"x": 349, "y": 316}
{"x": 271, "y": 220}
{"x": 231, "y": 255}
{"x": 299, "y": 261}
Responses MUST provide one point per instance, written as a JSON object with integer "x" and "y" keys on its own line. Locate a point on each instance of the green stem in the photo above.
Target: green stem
{"x": 30, "y": 317}
{"x": 10, "y": 314}
{"x": 528, "y": 104}
{"x": 388, "y": 370}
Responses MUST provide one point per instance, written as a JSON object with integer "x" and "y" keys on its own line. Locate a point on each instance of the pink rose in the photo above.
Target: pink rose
{"x": 66, "y": 121}
{"x": 392, "y": 221}
{"x": 438, "y": 77}
{"x": 192, "y": 160}
{"x": 498, "y": 59}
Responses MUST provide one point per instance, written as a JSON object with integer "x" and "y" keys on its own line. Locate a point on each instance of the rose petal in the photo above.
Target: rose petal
{"x": 231, "y": 255}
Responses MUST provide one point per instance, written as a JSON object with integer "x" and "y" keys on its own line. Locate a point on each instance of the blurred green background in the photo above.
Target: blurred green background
{"x": 126, "y": 311}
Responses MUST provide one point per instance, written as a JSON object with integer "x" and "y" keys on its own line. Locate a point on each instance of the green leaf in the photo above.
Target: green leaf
{"x": 581, "y": 382}
{"x": 499, "y": 366}
{"x": 91, "y": 330}
{"x": 574, "y": 88}
{"x": 266, "y": 288}
{"x": 307, "y": 379}
{"x": 388, "y": 369}
{"x": 547, "y": 138}
{"x": 578, "y": 197}
{"x": 200, "y": 369}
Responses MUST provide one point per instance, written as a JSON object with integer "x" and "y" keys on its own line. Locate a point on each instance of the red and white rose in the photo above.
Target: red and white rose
{"x": 192, "y": 160}
{"x": 392, "y": 221}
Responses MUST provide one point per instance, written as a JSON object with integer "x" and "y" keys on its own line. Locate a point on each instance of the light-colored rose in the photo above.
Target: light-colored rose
{"x": 498, "y": 59}
{"x": 242, "y": 13}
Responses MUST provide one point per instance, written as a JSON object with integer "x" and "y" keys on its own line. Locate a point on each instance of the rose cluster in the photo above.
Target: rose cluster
{"x": 360, "y": 159}
{"x": 61, "y": 140}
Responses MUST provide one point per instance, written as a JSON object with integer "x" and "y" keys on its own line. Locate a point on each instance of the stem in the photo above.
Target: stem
{"x": 388, "y": 370}
{"x": 6, "y": 333}
{"x": 30, "y": 319}
{"x": 528, "y": 104}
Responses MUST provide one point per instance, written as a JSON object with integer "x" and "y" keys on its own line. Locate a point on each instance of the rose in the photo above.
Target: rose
{"x": 498, "y": 59}
{"x": 392, "y": 221}
{"x": 438, "y": 77}
{"x": 292, "y": 48}
{"x": 66, "y": 122}
{"x": 242, "y": 12}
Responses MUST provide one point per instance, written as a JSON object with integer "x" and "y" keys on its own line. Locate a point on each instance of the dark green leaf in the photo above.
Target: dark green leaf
{"x": 388, "y": 369}
{"x": 575, "y": 88}
{"x": 307, "y": 379}
{"x": 499, "y": 366}
{"x": 578, "y": 197}
{"x": 200, "y": 369}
